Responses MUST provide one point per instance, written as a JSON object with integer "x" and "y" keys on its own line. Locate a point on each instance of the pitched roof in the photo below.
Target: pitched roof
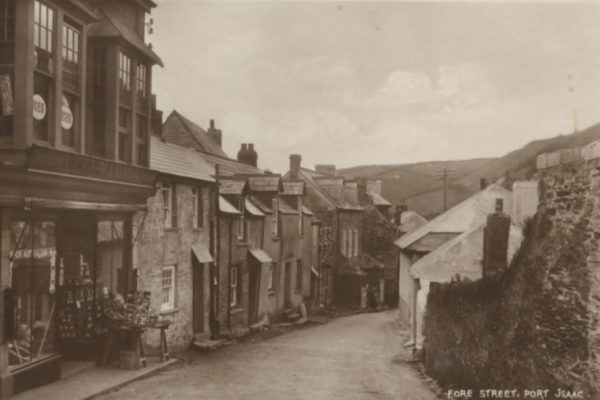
{"x": 176, "y": 160}
{"x": 232, "y": 186}
{"x": 462, "y": 216}
{"x": 265, "y": 183}
{"x": 112, "y": 26}
{"x": 262, "y": 206}
{"x": 461, "y": 255}
{"x": 307, "y": 211}
{"x": 183, "y": 131}
{"x": 353, "y": 265}
{"x": 411, "y": 221}
{"x": 293, "y": 188}
{"x": 378, "y": 200}
{"x": 286, "y": 208}
{"x": 333, "y": 194}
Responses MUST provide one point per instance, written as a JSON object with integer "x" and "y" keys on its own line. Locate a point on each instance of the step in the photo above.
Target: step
{"x": 208, "y": 346}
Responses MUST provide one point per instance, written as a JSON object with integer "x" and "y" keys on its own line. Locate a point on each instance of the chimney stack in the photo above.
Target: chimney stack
{"x": 362, "y": 185}
{"x": 482, "y": 183}
{"x": 495, "y": 241}
{"x": 247, "y": 154}
{"x": 326, "y": 170}
{"x": 295, "y": 164}
{"x": 215, "y": 134}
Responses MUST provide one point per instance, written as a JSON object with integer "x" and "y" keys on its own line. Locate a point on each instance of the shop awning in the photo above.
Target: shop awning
{"x": 34, "y": 202}
{"x": 261, "y": 256}
{"x": 314, "y": 271}
{"x": 202, "y": 254}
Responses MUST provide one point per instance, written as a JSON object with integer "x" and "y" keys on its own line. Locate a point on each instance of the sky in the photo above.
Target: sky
{"x": 353, "y": 83}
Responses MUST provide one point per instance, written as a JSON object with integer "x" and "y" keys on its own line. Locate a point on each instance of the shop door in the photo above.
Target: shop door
{"x": 198, "y": 296}
{"x": 287, "y": 299}
{"x": 254, "y": 290}
{"x": 30, "y": 306}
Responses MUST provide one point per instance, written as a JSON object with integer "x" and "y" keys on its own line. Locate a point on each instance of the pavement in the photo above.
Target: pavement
{"x": 351, "y": 358}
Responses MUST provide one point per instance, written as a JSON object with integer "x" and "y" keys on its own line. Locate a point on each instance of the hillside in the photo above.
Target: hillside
{"x": 416, "y": 186}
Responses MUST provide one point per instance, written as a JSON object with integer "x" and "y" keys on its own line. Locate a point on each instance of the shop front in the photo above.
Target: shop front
{"x": 61, "y": 260}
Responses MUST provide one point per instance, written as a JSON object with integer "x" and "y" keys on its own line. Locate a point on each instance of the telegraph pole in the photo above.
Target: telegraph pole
{"x": 444, "y": 175}
{"x": 572, "y": 91}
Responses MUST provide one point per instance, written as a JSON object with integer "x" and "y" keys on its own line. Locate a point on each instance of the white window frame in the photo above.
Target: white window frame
{"x": 349, "y": 247}
{"x": 233, "y": 286}
{"x": 355, "y": 238}
{"x": 343, "y": 242}
{"x": 168, "y": 288}
{"x": 271, "y": 276}
{"x": 167, "y": 198}
{"x": 300, "y": 217}
{"x": 241, "y": 230}
{"x": 194, "y": 207}
{"x": 275, "y": 219}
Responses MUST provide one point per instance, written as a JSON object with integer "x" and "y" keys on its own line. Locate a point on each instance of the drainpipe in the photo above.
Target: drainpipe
{"x": 229, "y": 273}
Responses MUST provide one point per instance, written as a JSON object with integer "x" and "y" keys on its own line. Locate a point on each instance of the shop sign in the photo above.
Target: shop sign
{"x": 37, "y": 253}
{"x": 39, "y": 107}
{"x": 66, "y": 120}
{"x": 6, "y": 96}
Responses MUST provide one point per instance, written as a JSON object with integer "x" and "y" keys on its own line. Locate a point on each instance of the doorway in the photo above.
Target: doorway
{"x": 198, "y": 296}
{"x": 287, "y": 293}
{"x": 254, "y": 290}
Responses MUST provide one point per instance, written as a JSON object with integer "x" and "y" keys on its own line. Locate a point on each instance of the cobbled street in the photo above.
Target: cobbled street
{"x": 349, "y": 358}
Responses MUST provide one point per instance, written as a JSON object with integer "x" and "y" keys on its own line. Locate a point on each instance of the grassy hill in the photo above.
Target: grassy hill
{"x": 415, "y": 184}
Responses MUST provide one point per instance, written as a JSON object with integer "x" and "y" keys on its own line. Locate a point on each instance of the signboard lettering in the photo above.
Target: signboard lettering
{"x": 39, "y": 107}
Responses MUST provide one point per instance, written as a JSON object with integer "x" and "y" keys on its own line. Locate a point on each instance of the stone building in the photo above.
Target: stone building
{"x": 265, "y": 236}
{"x": 344, "y": 268}
{"x": 172, "y": 253}
{"x": 77, "y": 110}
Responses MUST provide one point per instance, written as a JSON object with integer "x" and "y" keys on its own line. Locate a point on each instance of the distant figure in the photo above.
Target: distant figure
{"x": 371, "y": 297}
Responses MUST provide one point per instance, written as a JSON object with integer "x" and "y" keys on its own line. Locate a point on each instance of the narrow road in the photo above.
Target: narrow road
{"x": 349, "y": 358}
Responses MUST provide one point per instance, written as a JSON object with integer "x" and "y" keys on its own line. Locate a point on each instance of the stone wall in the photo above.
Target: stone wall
{"x": 535, "y": 325}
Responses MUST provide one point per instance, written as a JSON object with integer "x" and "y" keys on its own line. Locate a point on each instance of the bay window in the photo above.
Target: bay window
{"x": 141, "y": 138}
{"x": 70, "y": 108}
{"x": 124, "y": 151}
{"x": 43, "y": 40}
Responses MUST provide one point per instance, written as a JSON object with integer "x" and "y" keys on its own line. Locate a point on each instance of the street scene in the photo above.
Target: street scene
{"x": 299, "y": 200}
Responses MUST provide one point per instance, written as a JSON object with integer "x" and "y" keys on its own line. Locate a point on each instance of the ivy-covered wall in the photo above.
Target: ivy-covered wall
{"x": 537, "y": 324}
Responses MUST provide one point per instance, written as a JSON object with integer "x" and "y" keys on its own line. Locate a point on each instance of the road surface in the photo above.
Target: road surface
{"x": 349, "y": 358}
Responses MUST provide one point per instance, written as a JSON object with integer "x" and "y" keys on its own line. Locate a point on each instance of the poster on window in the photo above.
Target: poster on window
{"x": 6, "y": 96}
{"x": 39, "y": 107}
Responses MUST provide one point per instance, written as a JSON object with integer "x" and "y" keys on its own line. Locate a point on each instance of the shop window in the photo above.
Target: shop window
{"x": 7, "y": 20}
{"x": 275, "y": 219}
{"x": 69, "y": 119}
{"x": 124, "y": 151}
{"x": 110, "y": 245}
{"x": 299, "y": 275}
{"x": 242, "y": 228}
{"x": 234, "y": 287}
{"x": 168, "y": 288}
{"x": 32, "y": 280}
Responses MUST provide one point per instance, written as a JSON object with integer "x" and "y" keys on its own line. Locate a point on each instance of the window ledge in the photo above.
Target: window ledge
{"x": 275, "y": 238}
{"x": 170, "y": 311}
{"x": 236, "y": 310}
{"x": 272, "y": 292}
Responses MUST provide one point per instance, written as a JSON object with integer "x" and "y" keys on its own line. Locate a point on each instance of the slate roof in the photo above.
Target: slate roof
{"x": 253, "y": 209}
{"x": 286, "y": 208}
{"x": 378, "y": 200}
{"x": 262, "y": 206}
{"x": 411, "y": 221}
{"x": 462, "y": 216}
{"x": 232, "y": 186}
{"x": 181, "y": 130}
{"x": 332, "y": 194}
{"x": 176, "y": 160}
{"x": 265, "y": 183}
{"x": 112, "y": 26}
{"x": 293, "y": 188}
{"x": 228, "y": 166}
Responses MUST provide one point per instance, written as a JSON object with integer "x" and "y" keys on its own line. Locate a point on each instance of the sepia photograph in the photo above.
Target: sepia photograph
{"x": 299, "y": 199}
